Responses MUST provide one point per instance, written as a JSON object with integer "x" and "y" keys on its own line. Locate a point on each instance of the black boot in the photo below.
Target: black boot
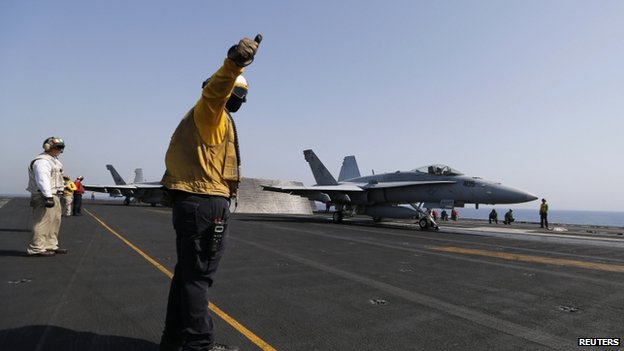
{"x": 221, "y": 347}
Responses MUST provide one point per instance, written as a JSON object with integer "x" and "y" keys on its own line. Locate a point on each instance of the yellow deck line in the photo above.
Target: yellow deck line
{"x": 535, "y": 259}
{"x": 263, "y": 345}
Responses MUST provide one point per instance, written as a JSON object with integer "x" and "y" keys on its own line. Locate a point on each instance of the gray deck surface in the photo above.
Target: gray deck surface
{"x": 297, "y": 282}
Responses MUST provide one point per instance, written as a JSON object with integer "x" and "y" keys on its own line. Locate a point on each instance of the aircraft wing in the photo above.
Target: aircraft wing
{"x": 303, "y": 188}
{"x": 344, "y": 192}
{"x": 340, "y": 193}
{"x": 125, "y": 190}
{"x": 113, "y": 190}
{"x": 386, "y": 185}
{"x": 147, "y": 186}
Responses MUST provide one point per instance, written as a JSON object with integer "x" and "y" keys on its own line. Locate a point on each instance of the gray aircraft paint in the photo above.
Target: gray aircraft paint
{"x": 380, "y": 195}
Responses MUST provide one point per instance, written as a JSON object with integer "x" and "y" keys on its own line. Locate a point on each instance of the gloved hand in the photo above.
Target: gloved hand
{"x": 243, "y": 53}
{"x": 49, "y": 202}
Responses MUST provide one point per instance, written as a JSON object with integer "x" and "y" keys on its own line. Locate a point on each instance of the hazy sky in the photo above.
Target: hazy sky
{"x": 528, "y": 93}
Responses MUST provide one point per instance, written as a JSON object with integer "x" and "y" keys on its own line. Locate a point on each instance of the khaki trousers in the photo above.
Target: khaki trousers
{"x": 46, "y": 224}
{"x": 67, "y": 204}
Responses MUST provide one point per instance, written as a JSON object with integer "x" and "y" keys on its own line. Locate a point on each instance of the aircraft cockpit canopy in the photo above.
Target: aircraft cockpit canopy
{"x": 438, "y": 170}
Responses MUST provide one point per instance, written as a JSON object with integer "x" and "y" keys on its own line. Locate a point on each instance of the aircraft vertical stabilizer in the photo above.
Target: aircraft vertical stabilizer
{"x": 349, "y": 169}
{"x": 320, "y": 172}
{"x": 116, "y": 177}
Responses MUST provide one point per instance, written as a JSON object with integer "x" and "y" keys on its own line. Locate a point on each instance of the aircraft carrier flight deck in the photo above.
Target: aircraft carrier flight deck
{"x": 302, "y": 283}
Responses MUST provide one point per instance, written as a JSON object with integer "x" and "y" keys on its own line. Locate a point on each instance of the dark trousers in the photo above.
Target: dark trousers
{"x": 200, "y": 222}
{"x": 77, "y": 204}
{"x": 544, "y": 220}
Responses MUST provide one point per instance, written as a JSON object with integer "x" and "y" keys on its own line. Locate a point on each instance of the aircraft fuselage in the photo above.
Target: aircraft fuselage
{"x": 459, "y": 189}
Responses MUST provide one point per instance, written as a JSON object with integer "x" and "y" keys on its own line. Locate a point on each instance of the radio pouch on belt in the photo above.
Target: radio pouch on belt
{"x": 210, "y": 240}
{"x": 208, "y": 246}
{"x": 218, "y": 229}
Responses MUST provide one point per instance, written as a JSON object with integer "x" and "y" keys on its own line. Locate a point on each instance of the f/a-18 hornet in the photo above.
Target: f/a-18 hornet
{"x": 382, "y": 195}
{"x": 137, "y": 191}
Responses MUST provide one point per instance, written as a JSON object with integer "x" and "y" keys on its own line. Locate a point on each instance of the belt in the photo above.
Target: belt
{"x": 179, "y": 194}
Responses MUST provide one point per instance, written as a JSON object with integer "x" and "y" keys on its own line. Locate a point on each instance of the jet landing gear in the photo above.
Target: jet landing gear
{"x": 338, "y": 217}
{"x": 341, "y": 212}
{"x": 425, "y": 220}
{"x": 426, "y": 223}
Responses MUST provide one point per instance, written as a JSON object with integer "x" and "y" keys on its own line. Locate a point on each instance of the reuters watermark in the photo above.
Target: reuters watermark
{"x": 599, "y": 342}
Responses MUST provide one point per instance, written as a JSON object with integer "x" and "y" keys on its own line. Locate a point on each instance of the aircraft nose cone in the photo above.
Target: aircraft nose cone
{"x": 511, "y": 195}
{"x": 523, "y": 196}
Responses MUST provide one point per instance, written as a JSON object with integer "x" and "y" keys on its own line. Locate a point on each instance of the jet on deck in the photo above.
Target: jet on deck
{"x": 382, "y": 195}
{"x": 137, "y": 191}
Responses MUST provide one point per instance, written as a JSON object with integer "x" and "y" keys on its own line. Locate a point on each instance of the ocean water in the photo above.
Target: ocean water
{"x": 599, "y": 218}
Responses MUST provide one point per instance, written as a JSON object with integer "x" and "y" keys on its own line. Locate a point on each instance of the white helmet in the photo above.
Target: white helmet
{"x": 240, "y": 88}
{"x": 241, "y": 82}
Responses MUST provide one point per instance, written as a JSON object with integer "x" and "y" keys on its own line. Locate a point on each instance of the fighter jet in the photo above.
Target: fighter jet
{"x": 385, "y": 195}
{"x": 137, "y": 191}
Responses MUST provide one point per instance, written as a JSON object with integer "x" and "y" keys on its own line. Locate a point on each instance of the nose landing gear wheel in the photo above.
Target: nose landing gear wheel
{"x": 337, "y": 217}
{"x": 423, "y": 223}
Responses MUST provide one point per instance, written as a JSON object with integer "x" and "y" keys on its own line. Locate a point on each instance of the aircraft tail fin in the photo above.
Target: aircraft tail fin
{"x": 320, "y": 172}
{"x": 138, "y": 175}
{"x": 349, "y": 169}
{"x": 116, "y": 177}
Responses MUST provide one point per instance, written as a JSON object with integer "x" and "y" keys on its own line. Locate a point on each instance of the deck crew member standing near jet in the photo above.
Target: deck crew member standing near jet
{"x": 544, "y": 214}
{"x": 77, "y": 206}
{"x": 45, "y": 184}
{"x": 68, "y": 196}
{"x": 202, "y": 175}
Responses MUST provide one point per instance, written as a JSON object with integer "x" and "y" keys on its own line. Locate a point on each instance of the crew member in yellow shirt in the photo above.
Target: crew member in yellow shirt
{"x": 68, "y": 196}
{"x": 544, "y": 214}
{"x": 202, "y": 176}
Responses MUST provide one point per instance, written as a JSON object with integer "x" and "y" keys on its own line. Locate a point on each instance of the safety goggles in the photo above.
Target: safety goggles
{"x": 56, "y": 143}
{"x": 240, "y": 93}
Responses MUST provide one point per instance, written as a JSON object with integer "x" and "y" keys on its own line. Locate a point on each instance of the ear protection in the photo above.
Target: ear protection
{"x": 46, "y": 144}
{"x": 53, "y": 142}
